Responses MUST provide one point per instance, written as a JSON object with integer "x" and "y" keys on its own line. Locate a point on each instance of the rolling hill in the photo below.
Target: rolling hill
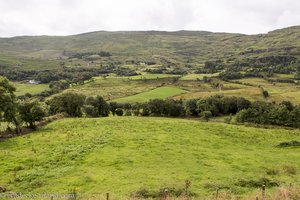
{"x": 179, "y": 47}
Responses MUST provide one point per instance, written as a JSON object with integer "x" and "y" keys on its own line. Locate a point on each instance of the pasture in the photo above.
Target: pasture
{"x": 157, "y": 93}
{"x": 197, "y": 76}
{"x": 23, "y": 88}
{"x": 123, "y": 155}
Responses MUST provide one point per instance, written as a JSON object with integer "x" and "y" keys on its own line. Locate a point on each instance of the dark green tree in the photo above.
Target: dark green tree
{"x": 31, "y": 111}
{"x": 69, "y": 103}
{"x": 206, "y": 115}
{"x": 295, "y": 117}
{"x": 96, "y": 107}
{"x": 119, "y": 112}
{"x": 190, "y": 107}
{"x": 8, "y": 103}
{"x": 113, "y": 106}
{"x": 297, "y": 76}
{"x": 265, "y": 93}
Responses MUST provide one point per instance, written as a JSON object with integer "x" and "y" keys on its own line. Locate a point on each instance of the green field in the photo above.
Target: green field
{"x": 151, "y": 76}
{"x": 197, "y": 76}
{"x": 23, "y": 88}
{"x": 158, "y": 93}
{"x": 121, "y": 155}
{"x": 112, "y": 88}
{"x": 137, "y": 77}
{"x": 249, "y": 88}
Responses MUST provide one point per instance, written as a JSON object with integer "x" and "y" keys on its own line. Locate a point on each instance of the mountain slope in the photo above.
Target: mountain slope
{"x": 181, "y": 46}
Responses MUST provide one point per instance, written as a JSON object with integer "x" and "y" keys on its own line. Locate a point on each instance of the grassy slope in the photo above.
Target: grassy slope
{"x": 112, "y": 88}
{"x": 158, "y": 93}
{"x": 124, "y": 154}
{"x": 23, "y": 88}
{"x": 179, "y": 47}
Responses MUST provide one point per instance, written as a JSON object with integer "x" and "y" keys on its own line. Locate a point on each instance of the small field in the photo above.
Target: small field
{"x": 249, "y": 88}
{"x": 158, "y": 93}
{"x": 23, "y": 88}
{"x": 122, "y": 155}
{"x": 139, "y": 77}
{"x": 197, "y": 76}
{"x": 152, "y": 76}
{"x": 136, "y": 89}
{"x": 112, "y": 88}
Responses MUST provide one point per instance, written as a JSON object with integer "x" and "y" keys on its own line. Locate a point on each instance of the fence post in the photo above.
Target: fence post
{"x": 217, "y": 193}
{"x": 187, "y": 186}
{"x": 263, "y": 192}
{"x": 165, "y": 194}
{"x": 51, "y": 197}
{"x": 107, "y": 196}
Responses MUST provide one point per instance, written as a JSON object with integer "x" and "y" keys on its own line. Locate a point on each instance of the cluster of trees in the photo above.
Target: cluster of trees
{"x": 230, "y": 75}
{"x": 18, "y": 74}
{"x": 211, "y": 67}
{"x": 87, "y": 54}
{"x": 18, "y": 112}
{"x": 167, "y": 70}
{"x": 74, "y": 75}
{"x": 297, "y": 76}
{"x": 271, "y": 64}
{"x": 283, "y": 114}
{"x": 262, "y": 67}
{"x": 77, "y": 105}
{"x": 122, "y": 71}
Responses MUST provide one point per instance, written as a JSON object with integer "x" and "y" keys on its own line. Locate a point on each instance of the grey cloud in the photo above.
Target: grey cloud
{"x": 62, "y": 17}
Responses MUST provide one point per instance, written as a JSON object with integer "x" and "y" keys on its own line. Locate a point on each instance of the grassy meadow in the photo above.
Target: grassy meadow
{"x": 249, "y": 88}
{"x": 122, "y": 155}
{"x": 111, "y": 88}
{"x": 158, "y": 93}
{"x": 23, "y": 88}
{"x": 197, "y": 76}
{"x": 152, "y": 76}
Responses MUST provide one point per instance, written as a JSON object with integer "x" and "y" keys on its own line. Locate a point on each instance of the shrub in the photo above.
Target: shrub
{"x": 265, "y": 93}
{"x": 31, "y": 111}
{"x": 293, "y": 143}
{"x": 127, "y": 113}
{"x": 119, "y": 112}
{"x": 257, "y": 183}
{"x": 206, "y": 115}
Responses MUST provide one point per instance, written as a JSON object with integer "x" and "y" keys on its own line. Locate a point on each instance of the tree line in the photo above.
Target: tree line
{"x": 28, "y": 111}
{"x": 283, "y": 114}
{"x": 258, "y": 112}
{"x": 73, "y": 75}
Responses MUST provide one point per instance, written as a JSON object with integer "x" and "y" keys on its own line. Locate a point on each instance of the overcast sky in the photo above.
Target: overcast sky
{"x": 65, "y": 17}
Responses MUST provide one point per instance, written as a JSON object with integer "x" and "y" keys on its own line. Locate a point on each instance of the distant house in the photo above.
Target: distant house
{"x": 34, "y": 82}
